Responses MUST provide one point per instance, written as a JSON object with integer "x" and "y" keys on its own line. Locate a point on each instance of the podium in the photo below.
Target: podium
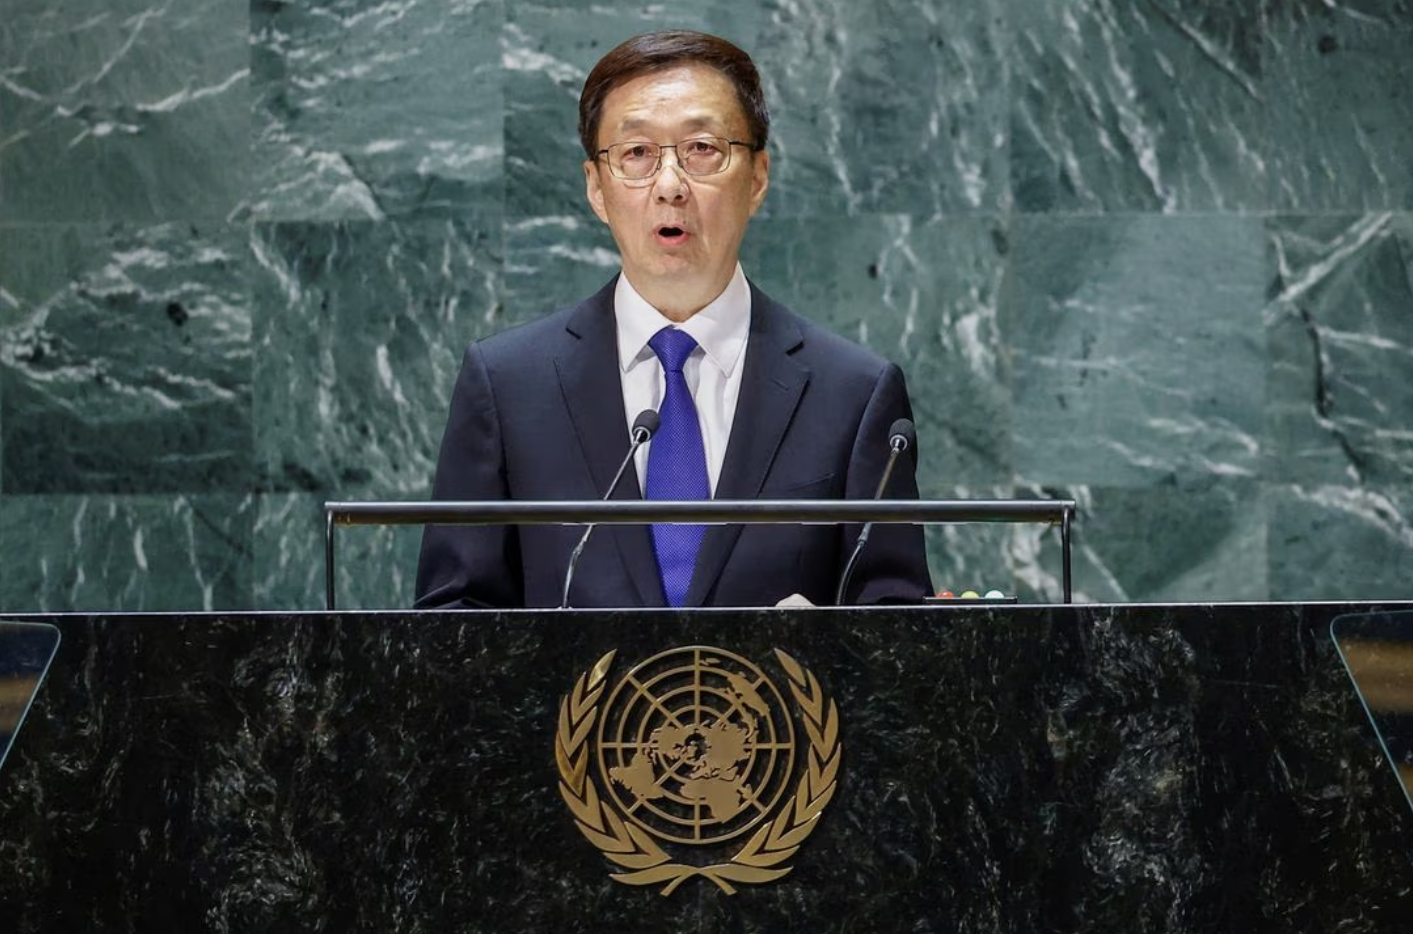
{"x": 1010, "y": 768}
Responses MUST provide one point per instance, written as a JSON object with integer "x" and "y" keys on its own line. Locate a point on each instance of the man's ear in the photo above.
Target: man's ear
{"x": 760, "y": 178}
{"x": 593, "y": 189}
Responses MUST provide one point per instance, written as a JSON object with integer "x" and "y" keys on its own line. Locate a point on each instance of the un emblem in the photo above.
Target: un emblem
{"x": 695, "y": 751}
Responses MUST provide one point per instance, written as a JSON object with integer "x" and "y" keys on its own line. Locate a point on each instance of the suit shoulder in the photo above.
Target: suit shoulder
{"x": 527, "y": 335}
{"x": 843, "y": 349}
{"x": 538, "y": 339}
{"x": 820, "y": 346}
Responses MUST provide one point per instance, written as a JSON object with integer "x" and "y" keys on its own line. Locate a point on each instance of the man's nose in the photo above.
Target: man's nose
{"x": 671, "y": 181}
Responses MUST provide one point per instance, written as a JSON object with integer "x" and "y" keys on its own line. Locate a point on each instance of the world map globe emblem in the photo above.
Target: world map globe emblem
{"x": 696, "y": 745}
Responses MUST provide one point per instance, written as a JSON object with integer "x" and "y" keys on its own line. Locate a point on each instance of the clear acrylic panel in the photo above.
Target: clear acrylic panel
{"x": 1377, "y": 649}
{"x": 26, "y": 649}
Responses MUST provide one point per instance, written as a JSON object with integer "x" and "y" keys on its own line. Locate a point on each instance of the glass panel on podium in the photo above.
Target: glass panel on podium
{"x": 1377, "y": 649}
{"x": 26, "y": 649}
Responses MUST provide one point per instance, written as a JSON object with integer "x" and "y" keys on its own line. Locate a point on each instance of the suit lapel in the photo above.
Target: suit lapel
{"x": 590, "y": 383}
{"x": 771, "y": 386}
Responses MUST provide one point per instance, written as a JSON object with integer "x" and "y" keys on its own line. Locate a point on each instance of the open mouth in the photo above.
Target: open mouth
{"x": 670, "y": 234}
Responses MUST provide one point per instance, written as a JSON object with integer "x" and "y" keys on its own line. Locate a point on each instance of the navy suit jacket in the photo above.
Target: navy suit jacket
{"x": 537, "y": 414}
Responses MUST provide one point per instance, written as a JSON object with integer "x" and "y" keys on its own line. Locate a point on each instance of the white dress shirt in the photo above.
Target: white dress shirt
{"x": 713, "y": 371}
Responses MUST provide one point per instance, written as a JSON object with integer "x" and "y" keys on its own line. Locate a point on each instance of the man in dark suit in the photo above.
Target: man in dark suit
{"x": 755, "y": 401}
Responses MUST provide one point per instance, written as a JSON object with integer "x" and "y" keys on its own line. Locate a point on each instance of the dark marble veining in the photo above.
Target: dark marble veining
{"x": 1017, "y": 769}
{"x": 1340, "y": 338}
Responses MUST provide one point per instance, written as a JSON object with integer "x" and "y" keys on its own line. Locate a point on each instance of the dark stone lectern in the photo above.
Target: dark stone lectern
{"x": 994, "y": 769}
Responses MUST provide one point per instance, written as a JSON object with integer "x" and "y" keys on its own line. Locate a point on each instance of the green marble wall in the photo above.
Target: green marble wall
{"x": 1157, "y": 257}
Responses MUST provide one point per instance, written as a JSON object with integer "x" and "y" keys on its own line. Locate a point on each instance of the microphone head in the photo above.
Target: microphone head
{"x": 902, "y": 436}
{"x": 645, "y": 425}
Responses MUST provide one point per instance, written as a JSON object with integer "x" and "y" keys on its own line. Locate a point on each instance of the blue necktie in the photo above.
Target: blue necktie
{"x": 676, "y": 465}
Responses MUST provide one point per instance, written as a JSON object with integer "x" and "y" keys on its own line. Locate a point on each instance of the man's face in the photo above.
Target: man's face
{"x": 679, "y": 235}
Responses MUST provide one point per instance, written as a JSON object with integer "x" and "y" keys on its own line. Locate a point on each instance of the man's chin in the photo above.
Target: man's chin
{"x": 672, "y": 270}
{"x": 676, "y": 288}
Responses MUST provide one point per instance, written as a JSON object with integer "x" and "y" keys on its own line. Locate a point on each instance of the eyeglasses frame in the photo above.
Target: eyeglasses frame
{"x": 661, "y": 148}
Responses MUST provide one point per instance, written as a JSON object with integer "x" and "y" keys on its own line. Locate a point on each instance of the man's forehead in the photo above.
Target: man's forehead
{"x": 692, "y": 97}
{"x": 684, "y": 122}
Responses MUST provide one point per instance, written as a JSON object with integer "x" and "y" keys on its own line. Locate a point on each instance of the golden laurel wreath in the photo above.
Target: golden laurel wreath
{"x": 628, "y": 845}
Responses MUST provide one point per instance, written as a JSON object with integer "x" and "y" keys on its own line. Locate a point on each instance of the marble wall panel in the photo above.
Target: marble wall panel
{"x": 1190, "y": 540}
{"x": 1336, "y": 80}
{"x": 1340, "y": 333}
{"x": 886, "y": 107}
{"x": 359, "y": 331}
{"x": 1122, "y": 106}
{"x": 375, "y": 110}
{"x": 1335, "y": 540}
{"x": 1137, "y": 348}
{"x": 128, "y": 111}
{"x": 148, "y": 552}
{"x": 125, "y": 359}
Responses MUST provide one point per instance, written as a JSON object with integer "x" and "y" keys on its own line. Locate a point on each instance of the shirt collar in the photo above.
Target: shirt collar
{"x": 720, "y": 328}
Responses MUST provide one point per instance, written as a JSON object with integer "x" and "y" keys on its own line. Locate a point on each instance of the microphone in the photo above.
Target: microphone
{"x": 902, "y": 436}
{"x": 644, "y": 427}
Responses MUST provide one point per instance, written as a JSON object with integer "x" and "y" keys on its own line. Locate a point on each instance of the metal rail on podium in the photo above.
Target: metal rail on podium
{"x": 711, "y": 512}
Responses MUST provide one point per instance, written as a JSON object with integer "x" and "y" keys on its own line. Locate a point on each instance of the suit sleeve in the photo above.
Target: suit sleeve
{"x": 893, "y": 567}
{"x": 465, "y": 566}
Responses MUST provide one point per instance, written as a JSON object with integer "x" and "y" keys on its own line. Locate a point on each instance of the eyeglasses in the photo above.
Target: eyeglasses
{"x": 702, "y": 155}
